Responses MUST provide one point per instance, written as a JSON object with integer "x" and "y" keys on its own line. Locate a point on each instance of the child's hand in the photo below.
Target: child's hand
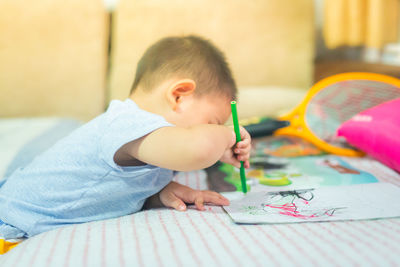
{"x": 240, "y": 151}
{"x": 175, "y": 195}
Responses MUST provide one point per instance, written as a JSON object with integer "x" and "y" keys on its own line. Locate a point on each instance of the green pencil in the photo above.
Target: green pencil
{"x": 238, "y": 139}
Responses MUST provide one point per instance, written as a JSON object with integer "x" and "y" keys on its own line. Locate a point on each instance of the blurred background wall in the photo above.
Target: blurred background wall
{"x": 53, "y": 58}
{"x": 266, "y": 42}
{"x": 70, "y": 58}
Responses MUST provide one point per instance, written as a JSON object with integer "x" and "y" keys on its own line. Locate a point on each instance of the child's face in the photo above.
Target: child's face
{"x": 203, "y": 110}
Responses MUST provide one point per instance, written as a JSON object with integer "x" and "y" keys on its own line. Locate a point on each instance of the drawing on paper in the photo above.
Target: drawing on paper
{"x": 329, "y": 203}
{"x": 293, "y": 203}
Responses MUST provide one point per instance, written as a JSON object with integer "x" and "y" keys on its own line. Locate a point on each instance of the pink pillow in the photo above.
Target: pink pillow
{"x": 376, "y": 131}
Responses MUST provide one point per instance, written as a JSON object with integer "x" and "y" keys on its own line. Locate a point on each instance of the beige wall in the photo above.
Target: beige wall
{"x": 53, "y": 54}
{"x": 267, "y": 42}
{"x": 52, "y": 58}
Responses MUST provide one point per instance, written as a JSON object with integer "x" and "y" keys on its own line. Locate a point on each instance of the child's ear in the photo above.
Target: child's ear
{"x": 178, "y": 91}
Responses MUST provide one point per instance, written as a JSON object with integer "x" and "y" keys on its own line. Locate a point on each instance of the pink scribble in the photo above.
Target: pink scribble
{"x": 290, "y": 209}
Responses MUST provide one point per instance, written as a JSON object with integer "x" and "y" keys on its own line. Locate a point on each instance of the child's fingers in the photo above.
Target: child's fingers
{"x": 246, "y": 164}
{"x": 170, "y": 200}
{"x": 242, "y": 154}
{"x": 213, "y": 194}
{"x": 244, "y": 134}
{"x": 243, "y": 157}
{"x": 199, "y": 202}
{"x": 209, "y": 197}
{"x": 235, "y": 162}
{"x": 215, "y": 198}
{"x": 242, "y": 151}
{"x": 244, "y": 143}
{"x": 243, "y": 148}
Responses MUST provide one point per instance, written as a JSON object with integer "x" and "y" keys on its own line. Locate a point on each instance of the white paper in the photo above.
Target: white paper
{"x": 336, "y": 203}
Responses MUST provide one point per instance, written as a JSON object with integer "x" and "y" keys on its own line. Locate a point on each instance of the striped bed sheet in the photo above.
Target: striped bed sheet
{"x": 164, "y": 237}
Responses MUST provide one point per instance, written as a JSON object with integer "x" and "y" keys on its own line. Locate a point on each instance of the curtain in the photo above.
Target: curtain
{"x": 370, "y": 23}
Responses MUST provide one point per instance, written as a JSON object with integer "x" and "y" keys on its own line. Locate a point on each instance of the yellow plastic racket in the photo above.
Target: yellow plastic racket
{"x": 334, "y": 100}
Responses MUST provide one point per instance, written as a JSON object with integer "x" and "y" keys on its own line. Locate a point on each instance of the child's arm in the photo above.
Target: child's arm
{"x": 182, "y": 149}
{"x": 175, "y": 195}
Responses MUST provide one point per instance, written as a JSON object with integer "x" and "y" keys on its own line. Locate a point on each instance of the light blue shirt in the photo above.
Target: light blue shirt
{"x": 77, "y": 180}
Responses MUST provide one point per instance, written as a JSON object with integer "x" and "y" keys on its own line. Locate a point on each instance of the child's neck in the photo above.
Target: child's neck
{"x": 150, "y": 102}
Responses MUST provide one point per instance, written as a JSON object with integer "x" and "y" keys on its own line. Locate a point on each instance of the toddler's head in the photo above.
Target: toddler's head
{"x": 193, "y": 76}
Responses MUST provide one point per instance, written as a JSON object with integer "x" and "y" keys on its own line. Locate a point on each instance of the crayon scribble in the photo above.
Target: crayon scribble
{"x": 294, "y": 203}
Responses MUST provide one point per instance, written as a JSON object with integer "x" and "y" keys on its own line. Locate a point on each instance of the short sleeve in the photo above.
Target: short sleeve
{"x": 125, "y": 126}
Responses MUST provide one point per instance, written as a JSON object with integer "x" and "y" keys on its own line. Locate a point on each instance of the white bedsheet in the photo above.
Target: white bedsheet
{"x": 164, "y": 237}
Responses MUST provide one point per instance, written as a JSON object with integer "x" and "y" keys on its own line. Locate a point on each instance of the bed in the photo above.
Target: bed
{"x": 71, "y": 85}
{"x": 164, "y": 237}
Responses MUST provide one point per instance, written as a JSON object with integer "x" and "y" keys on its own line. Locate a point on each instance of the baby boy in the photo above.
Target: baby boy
{"x": 172, "y": 121}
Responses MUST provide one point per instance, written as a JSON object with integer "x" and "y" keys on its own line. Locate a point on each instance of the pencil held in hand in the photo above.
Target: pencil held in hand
{"x": 238, "y": 139}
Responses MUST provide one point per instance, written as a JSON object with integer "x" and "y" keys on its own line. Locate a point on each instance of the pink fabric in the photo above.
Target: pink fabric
{"x": 376, "y": 131}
